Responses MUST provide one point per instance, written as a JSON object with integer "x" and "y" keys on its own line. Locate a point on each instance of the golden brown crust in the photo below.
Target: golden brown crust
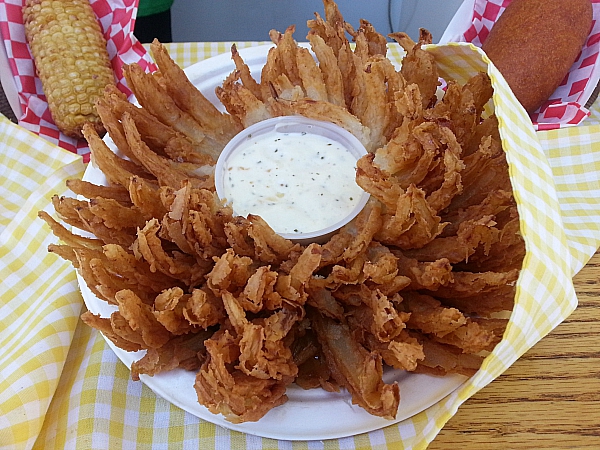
{"x": 534, "y": 43}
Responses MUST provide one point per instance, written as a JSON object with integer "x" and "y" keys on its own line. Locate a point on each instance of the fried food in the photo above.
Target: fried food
{"x": 413, "y": 282}
{"x": 355, "y": 368}
{"x": 517, "y": 41}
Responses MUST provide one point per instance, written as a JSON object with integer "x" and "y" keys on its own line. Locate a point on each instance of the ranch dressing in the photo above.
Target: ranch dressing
{"x": 297, "y": 182}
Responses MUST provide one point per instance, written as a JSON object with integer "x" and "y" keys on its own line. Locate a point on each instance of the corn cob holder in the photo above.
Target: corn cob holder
{"x": 71, "y": 60}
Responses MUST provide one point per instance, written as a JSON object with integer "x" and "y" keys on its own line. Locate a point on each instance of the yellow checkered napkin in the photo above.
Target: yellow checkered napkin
{"x": 574, "y": 156}
{"x": 545, "y": 294}
{"x": 62, "y": 387}
{"x": 39, "y": 299}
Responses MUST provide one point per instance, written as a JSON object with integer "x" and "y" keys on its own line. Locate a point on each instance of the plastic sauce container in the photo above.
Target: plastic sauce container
{"x": 298, "y": 174}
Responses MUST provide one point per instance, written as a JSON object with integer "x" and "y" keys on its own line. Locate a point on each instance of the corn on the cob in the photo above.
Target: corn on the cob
{"x": 71, "y": 60}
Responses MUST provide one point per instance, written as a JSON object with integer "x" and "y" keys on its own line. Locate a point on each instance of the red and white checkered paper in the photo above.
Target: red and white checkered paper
{"x": 116, "y": 17}
{"x": 566, "y": 107}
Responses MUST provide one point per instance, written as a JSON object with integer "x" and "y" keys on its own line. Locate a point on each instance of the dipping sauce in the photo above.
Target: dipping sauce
{"x": 298, "y": 182}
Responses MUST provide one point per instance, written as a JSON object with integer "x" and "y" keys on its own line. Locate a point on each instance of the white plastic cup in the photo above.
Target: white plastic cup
{"x": 295, "y": 124}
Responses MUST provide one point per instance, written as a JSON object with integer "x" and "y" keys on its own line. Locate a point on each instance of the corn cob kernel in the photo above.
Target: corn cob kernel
{"x": 71, "y": 60}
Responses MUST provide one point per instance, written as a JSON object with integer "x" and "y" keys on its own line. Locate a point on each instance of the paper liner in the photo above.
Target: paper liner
{"x": 545, "y": 293}
{"x": 566, "y": 107}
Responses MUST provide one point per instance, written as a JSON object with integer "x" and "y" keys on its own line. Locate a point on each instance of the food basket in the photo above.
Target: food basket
{"x": 570, "y": 103}
{"x": 116, "y": 18}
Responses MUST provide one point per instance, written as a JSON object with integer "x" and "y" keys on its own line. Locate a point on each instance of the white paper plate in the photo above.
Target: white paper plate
{"x": 308, "y": 415}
